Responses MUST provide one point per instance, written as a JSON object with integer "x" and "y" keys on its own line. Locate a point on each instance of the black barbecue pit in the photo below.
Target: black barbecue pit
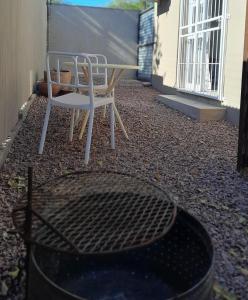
{"x": 110, "y": 236}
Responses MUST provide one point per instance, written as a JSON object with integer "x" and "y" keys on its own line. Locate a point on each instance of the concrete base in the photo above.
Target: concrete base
{"x": 146, "y": 83}
{"x": 194, "y": 109}
{"x": 232, "y": 114}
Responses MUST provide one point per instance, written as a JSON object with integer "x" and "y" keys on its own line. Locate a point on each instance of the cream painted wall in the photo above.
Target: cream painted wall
{"x": 166, "y": 43}
{"x": 165, "y": 54}
{"x": 22, "y": 55}
{"x": 234, "y": 53}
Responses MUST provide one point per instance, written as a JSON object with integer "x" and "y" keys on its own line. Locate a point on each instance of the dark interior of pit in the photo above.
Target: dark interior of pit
{"x": 162, "y": 270}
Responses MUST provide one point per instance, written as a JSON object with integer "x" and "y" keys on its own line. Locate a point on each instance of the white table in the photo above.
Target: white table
{"x": 117, "y": 71}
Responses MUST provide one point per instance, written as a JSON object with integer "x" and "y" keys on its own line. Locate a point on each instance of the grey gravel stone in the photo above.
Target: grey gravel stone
{"x": 195, "y": 162}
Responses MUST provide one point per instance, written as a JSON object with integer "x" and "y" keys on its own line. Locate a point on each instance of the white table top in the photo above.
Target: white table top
{"x": 108, "y": 66}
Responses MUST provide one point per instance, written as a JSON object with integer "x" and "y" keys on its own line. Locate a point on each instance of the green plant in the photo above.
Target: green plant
{"x": 131, "y": 4}
{"x": 55, "y": 1}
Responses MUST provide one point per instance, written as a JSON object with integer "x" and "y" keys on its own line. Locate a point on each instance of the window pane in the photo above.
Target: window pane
{"x": 200, "y": 56}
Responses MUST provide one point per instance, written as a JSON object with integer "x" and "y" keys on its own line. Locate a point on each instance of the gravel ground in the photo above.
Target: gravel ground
{"x": 196, "y": 162}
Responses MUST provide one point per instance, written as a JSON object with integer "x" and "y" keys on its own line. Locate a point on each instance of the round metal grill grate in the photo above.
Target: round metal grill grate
{"x": 97, "y": 213}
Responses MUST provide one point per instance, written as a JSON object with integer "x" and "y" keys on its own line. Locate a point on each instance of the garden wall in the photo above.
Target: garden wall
{"x": 112, "y": 32}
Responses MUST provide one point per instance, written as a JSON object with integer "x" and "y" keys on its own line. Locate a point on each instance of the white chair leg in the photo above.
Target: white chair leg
{"x": 112, "y": 125}
{"x": 89, "y": 137}
{"x": 113, "y": 95}
{"x": 120, "y": 121}
{"x": 72, "y": 125}
{"x": 44, "y": 129}
{"x": 84, "y": 125}
{"x": 77, "y": 117}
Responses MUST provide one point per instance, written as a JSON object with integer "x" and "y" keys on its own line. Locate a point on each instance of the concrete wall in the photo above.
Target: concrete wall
{"x": 165, "y": 54}
{"x": 22, "y": 55}
{"x": 112, "y": 32}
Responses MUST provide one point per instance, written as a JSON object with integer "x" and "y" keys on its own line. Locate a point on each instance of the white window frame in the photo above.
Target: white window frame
{"x": 193, "y": 30}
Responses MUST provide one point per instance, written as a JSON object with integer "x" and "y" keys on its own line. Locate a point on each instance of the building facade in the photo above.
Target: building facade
{"x": 199, "y": 50}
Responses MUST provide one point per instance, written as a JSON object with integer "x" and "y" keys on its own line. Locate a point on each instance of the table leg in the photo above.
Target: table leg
{"x": 110, "y": 90}
{"x": 112, "y": 78}
{"x": 84, "y": 124}
{"x": 104, "y": 111}
{"x": 120, "y": 122}
{"x": 113, "y": 81}
{"x": 85, "y": 71}
{"x": 77, "y": 117}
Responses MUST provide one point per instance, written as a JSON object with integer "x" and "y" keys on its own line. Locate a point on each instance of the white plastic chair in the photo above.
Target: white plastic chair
{"x": 97, "y": 73}
{"x": 100, "y": 89}
{"x": 76, "y": 100}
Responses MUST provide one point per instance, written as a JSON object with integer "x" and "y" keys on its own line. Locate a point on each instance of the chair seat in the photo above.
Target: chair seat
{"x": 80, "y": 101}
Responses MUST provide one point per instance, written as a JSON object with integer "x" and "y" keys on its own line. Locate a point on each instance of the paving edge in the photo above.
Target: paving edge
{"x": 22, "y": 114}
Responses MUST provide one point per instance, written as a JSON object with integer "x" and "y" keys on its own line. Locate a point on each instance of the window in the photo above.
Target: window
{"x": 202, "y": 46}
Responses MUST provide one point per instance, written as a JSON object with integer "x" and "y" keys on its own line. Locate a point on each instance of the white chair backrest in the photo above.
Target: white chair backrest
{"x": 73, "y": 60}
{"x": 99, "y": 72}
